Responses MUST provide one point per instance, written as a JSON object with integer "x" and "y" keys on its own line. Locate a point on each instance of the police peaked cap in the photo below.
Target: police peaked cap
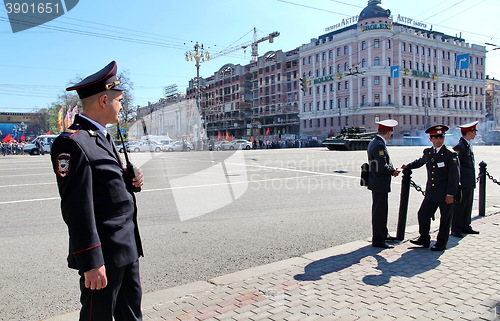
{"x": 387, "y": 124}
{"x": 469, "y": 126}
{"x": 437, "y": 130}
{"x": 104, "y": 79}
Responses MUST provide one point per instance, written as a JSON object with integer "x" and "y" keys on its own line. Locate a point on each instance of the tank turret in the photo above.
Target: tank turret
{"x": 353, "y": 138}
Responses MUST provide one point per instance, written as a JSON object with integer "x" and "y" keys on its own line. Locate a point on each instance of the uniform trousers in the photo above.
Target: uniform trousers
{"x": 462, "y": 216}
{"x": 426, "y": 212}
{"x": 380, "y": 209}
{"x": 120, "y": 299}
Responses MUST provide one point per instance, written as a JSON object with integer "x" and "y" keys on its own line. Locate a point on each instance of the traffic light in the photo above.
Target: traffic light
{"x": 303, "y": 84}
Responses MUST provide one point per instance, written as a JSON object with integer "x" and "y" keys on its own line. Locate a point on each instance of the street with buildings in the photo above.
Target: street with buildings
{"x": 201, "y": 215}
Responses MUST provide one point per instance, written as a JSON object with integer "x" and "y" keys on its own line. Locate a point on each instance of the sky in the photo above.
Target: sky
{"x": 150, "y": 39}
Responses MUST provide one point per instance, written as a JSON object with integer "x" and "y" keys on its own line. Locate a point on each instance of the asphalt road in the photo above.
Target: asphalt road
{"x": 201, "y": 215}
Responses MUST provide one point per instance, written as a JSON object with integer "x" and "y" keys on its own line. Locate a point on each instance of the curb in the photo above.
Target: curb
{"x": 151, "y": 299}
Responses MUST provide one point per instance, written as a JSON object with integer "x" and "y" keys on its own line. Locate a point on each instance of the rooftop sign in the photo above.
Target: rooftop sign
{"x": 410, "y": 22}
{"x": 344, "y": 23}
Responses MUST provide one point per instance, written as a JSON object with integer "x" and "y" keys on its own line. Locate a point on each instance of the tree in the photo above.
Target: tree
{"x": 128, "y": 113}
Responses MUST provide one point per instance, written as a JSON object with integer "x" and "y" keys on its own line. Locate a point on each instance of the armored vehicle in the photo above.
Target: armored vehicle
{"x": 354, "y": 138}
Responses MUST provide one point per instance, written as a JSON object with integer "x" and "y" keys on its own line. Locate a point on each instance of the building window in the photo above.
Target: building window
{"x": 403, "y": 46}
{"x": 339, "y": 85}
{"x": 376, "y": 80}
{"x": 338, "y": 51}
{"x": 346, "y": 102}
{"x": 376, "y": 61}
{"x": 389, "y": 62}
{"x": 317, "y": 57}
{"x": 404, "y": 100}
{"x": 363, "y": 100}
{"x": 409, "y": 47}
{"x": 324, "y": 55}
{"x": 376, "y": 43}
{"x": 376, "y": 100}
{"x": 346, "y": 85}
{"x": 330, "y": 54}
{"x": 346, "y": 50}
{"x": 363, "y": 82}
{"x": 338, "y": 68}
{"x": 388, "y": 43}
{"x": 331, "y": 103}
{"x": 389, "y": 81}
{"x": 346, "y": 66}
{"x": 363, "y": 62}
{"x": 389, "y": 99}
{"x": 363, "y": 45}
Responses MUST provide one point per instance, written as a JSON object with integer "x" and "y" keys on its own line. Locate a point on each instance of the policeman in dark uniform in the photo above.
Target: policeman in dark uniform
{"x": 98, "y": 204}
{"x": 379, "y": 182}
{"x": 462, "y": 216}
{"x": 442, "y": 186}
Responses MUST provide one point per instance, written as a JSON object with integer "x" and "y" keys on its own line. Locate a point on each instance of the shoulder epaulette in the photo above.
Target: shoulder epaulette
{"x": 70, "y": 131}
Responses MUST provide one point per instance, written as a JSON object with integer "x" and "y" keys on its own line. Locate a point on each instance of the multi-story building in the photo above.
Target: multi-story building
{"x": 493, "y": 102}
{"x": 257, "y": 99}
{"x": 351, "y": 84}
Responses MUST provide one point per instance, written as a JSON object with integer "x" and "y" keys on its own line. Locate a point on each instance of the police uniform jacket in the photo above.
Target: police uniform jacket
{"x": 442, "y": 173}
{"x": 381, "y": 168}
{"x": 97, "y": 204}
{"x": 467, "y": 169}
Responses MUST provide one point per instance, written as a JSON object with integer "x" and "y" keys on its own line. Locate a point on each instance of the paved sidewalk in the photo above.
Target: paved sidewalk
{"x": 351, "y": 282}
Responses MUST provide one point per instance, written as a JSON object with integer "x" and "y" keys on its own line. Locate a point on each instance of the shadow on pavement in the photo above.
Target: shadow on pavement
{"x": 416, "y": 261}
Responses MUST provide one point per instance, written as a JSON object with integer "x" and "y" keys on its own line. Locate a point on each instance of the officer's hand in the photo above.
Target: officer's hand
{"x": 403, "y": 166}
{"x": 450, "y": 199}
{"x": 396, "y": 172}
{"x": 138, "y": 180}
{"x": 95, "y": 279}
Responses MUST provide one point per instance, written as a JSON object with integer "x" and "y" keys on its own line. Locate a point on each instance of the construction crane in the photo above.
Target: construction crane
{"x": 253, "y": 44}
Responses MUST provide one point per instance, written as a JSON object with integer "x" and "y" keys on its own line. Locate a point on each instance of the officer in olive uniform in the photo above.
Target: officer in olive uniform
{"x": 462, "y": 216}
{"x": 442, "y": 186}
{"x": 379, "y": 182}
{"x": 98, "y": 204}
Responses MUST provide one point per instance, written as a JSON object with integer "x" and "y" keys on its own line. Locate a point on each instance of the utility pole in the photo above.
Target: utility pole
{"x": 199, "y": 55}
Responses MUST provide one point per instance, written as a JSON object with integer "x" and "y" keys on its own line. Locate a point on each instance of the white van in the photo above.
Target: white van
{"x": 47, "y": 141}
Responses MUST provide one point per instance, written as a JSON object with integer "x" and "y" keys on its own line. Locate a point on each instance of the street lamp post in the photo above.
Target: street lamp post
{"x": 198, "y": 55}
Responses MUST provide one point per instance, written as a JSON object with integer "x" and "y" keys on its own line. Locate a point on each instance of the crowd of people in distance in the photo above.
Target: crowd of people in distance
{"x": 12, "y": 148}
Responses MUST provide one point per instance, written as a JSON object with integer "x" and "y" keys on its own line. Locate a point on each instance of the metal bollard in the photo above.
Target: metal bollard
{"x": 403, "y": 204}
{"x": 482, "y": 188}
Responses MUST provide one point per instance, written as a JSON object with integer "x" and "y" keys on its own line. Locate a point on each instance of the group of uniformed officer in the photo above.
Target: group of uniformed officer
{"x": 450, "y": 185}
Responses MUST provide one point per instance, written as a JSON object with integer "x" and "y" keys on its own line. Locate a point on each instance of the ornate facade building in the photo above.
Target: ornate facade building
{"x": 379, "y": 68}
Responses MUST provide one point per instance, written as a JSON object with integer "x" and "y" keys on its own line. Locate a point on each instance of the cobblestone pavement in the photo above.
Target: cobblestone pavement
{"x": 351, "y": 282}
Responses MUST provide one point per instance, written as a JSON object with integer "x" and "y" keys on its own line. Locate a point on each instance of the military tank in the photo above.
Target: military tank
{"x": 353, "y": 138}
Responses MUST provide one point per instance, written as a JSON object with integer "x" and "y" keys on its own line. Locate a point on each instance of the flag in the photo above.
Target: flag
{"x": 7, "y": 138}
{"x": 22, "y": 138}
{"x": 60, "y": 119}
{"x": 72, "y": 115}
{"x": 268, "y": 130}
{"x": 227, "y": 135}
{"x": 218, "y": 135}
{"x": 67, "y": 118}
{"x": 48, "y": 133}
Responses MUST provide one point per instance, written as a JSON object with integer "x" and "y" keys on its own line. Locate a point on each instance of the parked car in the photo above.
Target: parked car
{"x": 236, "y": 144}
{"x": 217, "y": 145}
{"x": 145, "y": 146}
{"x": 119, "y": 148}
{"x": 47, "y": 141}
{"x": 178, "y": 146}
